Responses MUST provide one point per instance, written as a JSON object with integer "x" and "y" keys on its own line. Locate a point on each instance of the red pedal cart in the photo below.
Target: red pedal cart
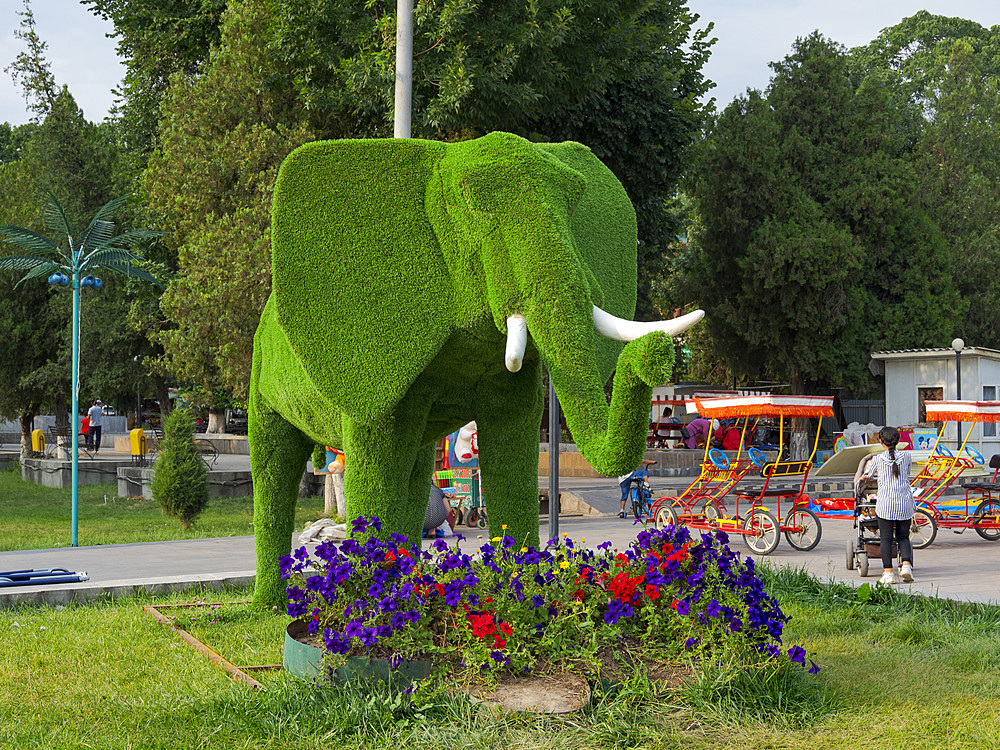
{"x": 981, "y": 510}
{"x": 763, "y": 522}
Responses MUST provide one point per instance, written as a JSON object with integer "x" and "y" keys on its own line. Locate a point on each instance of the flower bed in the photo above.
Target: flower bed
{"x": 669, "y": 598}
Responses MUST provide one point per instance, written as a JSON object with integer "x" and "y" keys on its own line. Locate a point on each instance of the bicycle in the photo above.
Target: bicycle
{"x": 640, "y": 495}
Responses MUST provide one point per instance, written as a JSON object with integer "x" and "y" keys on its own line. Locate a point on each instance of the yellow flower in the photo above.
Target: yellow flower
{"x": 565, "y": 533}
{"x": 564, "y": 564}
{"x": 524, "y": 549}
{"x": 495, "y": 539}
{"x": 504, "y": 527}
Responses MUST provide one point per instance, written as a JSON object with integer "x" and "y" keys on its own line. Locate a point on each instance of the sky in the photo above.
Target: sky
{"x": 751, "y": 33}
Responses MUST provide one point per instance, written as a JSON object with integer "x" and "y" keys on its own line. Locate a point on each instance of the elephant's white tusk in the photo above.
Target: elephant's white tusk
{"x": 517, "y": 339}
{"x": 619, "y": 329}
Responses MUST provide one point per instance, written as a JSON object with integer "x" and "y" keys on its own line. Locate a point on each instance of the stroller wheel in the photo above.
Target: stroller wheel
{"x": 850, "y": 554}
{"x": 863, "y": 564}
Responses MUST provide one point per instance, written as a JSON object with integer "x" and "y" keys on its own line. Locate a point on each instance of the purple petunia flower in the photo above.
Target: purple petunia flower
{"x": 814, "y": 668}
{"x": 797, "y": 654}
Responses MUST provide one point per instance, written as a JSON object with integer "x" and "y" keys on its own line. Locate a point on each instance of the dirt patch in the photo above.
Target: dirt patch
{"x": 559, "y": 693}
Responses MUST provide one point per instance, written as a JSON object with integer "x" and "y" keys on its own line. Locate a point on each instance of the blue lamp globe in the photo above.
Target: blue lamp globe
{"x": 98, "y": 283}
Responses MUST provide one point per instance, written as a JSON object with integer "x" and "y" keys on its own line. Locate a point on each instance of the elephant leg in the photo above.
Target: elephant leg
{"x": 508, "y": 455}
{"x": 278, "y": 455}
{"x": 382, "y": 469}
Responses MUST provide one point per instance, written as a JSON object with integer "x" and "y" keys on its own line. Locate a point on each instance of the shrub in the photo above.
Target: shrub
{"x": 518, "y": 609}
{"x": 179, "y": 478}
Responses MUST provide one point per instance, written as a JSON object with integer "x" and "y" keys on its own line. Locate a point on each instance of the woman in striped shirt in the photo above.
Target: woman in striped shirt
{"x": 894, "y": 505}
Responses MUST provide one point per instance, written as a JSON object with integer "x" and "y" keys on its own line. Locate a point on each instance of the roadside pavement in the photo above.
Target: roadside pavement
{"x": 961, "y": 567}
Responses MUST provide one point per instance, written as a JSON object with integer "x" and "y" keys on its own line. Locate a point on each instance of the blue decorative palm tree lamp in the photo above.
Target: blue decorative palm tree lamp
{"x": 97, "y": 247}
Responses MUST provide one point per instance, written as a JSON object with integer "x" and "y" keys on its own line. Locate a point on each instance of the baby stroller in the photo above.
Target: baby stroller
{"x": 867, "y": 546}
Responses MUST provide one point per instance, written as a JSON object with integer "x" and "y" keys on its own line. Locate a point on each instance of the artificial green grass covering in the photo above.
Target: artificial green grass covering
{"x": 396, "y": 264}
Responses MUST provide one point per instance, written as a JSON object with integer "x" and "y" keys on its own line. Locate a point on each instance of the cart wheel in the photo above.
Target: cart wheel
{"x": 805, "y": 531}
{"x": 472, "y": 518}
{"x": 482, "y": 519}
{"x": 863, "y": 564}
{"x": 713, "y": 509}
{"x": 850, "y": 555}
{"x": 761, "y": 532}
{"x": 988, "y": 511}
{"x": 460, "y": 517}
{"x": 665, "y": 516}
{"x": 923, "y": 529}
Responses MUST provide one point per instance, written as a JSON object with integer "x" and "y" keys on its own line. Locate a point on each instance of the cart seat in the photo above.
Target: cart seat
{"x": 982, "y": 486}
{"x": 772, "y": 493}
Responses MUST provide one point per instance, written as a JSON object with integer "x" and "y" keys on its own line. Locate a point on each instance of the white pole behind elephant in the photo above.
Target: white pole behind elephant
{"x": 404, "y": 68}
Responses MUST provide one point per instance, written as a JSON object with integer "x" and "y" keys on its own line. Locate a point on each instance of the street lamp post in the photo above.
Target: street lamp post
{"x": 958, "y": 345}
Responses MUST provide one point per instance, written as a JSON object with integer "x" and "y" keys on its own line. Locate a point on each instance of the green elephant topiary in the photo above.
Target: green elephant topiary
{"x": 420, "y": 285}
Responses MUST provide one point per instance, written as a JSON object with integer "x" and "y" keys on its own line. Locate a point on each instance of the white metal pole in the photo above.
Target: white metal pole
{"x": 404, "y": 68}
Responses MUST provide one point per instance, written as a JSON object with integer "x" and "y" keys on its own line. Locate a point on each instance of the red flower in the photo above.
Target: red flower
{"x": 390, "y": 557}
{"x": 579, "y": 594}
{"x": 673, "y": 604}
{"x": 623, "y": 588}
{"x": 439, "y": 587}
{"x": 506, "y": 628}
{"x": 652, "y": 592}
{"x": 482, "y": 625}
{"x": 498, "y": 641}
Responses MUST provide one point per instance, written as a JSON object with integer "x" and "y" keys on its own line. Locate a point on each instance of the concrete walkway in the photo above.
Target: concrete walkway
{"x": 961, "y": 567}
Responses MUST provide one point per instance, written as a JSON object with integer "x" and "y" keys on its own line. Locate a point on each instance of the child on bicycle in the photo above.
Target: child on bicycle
{"x": 625, "y": 482}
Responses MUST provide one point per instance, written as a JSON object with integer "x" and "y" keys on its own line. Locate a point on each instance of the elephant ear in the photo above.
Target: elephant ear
{"x": 361, "y": 289}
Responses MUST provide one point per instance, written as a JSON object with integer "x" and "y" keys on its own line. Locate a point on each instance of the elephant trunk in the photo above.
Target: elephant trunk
{"x": 612, "y": 437}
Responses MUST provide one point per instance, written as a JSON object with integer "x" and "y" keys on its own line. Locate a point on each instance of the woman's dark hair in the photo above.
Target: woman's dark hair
{"x": 889, "y": 437}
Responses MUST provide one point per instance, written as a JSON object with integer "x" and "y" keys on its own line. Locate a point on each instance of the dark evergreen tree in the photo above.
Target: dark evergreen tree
{"x": 180, "y": 475}
{"x": 813, "y": 247}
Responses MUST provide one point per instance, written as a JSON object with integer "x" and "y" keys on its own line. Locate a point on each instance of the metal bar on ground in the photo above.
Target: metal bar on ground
{"x": 235, "y": 672}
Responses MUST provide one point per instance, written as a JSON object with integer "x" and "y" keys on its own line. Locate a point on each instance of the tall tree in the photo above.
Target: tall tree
{"x": 813, "y": 247}
{"x": 223, "y": 137}
{"x": 31, "y": 69}
{"x": 949, "y": 68}
{"x": 156, "y": 39}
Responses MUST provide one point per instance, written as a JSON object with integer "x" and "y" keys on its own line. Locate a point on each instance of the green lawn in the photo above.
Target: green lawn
{"x": 36, "y": 517}
{"x": 897, "y": 672}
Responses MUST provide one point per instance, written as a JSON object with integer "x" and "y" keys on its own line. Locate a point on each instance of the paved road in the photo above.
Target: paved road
{"x": 962, "y": 567}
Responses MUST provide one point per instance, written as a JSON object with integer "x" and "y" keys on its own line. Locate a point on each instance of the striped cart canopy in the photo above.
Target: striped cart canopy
{"x": 770, "y": 405}
{"x": 962, "y": 411}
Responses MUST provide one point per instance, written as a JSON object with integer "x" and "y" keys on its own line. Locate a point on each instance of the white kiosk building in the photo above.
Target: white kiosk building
{"x": 913, "y": 376}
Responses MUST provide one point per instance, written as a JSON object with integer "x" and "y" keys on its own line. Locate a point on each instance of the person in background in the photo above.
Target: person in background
{"x": 697, "y": 431}
{"x": 95, "y": 412}
{"x": 85, "y": 429}
{"x": 729, "y": 438}
{"x": 894, "y": 505}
